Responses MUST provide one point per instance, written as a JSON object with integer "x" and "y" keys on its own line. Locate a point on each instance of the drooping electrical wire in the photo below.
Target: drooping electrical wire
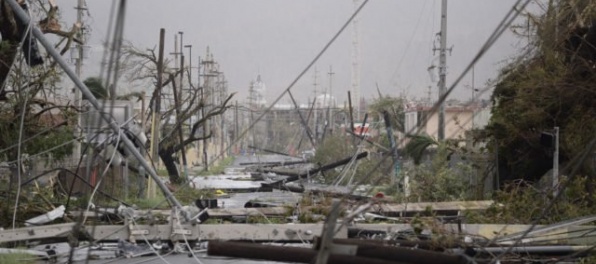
{"x": 291, "y": 85}
{"x": 21, "y": 125}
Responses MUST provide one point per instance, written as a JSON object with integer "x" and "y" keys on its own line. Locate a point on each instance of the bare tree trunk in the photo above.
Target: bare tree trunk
{"x": 167, "y": 157}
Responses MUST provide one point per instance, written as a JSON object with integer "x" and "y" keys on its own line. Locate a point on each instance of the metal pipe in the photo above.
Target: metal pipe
{"x": 87, "y": 93}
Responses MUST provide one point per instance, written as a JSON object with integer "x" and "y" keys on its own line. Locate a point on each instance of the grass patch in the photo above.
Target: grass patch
{"x": 188, "y": 195}
{"x": 162, "y": 172}
{"x": 17, "y": 258}
{"x": 217, "y": 169}
{"x": 156, "y": 202}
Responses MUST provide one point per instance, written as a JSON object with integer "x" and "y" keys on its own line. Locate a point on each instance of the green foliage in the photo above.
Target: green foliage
{"x": 418, "y": 145}
{"x": 17, "y": 258}
{"x": 217, "y": 168}
{"x": 51, "y": 142}
{"x": 96, "y": 87}
{"x": 186, "y": 195}
{"x": 394, "y": 106}
{"x": 437, "y": 180}
{"x": 520, "y": 203}
{"x": 339, "y": 147}
{"x": 553, "y": 86}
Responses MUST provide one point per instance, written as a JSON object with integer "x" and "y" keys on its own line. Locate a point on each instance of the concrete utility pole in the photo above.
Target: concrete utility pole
{"x": 181, "y": 64}
{"x": 178, "y": 102}
{"x": 356, "y": 63}
{"x": 316, "y": 111}
{"x": 442, "y": 69}
{"x": 207, "y": 74}
{"x": 189, "y": 63}
{"x": 223, "y": 94}
{"x": 175, "y": 53}
{"x": 332, "y": 102}
{"x": 78, "y": 98}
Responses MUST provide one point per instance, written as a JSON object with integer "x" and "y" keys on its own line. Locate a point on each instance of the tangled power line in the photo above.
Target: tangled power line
{"x": 112, "y": 77}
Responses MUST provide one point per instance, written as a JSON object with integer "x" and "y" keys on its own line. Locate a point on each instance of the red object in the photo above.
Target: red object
{"x": 93, "y": 177}
{"x": 379, "y": 195}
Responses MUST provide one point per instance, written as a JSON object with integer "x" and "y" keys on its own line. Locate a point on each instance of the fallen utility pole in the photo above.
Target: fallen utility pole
{"x": 310, "y": 113}
{"x": 273, "y": 163}
{"x": 304, "y": 124}
{"x": 283, "y": 254}
{"x": 129, "y": 145}
{"x": 297, "y": 176}
{"x": 393, "y": 150}
{"x": 270, "y": 151}
{"x": 367, "y": 140}
{"x": 408, "y": 255}
{"x": 419, "y": 244}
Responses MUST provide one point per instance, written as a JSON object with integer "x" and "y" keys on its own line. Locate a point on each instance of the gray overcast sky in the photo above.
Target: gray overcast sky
{"x": 279, "y": 38}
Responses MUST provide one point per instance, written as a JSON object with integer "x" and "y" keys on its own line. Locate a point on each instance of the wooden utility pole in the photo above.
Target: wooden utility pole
{"x": 350, "y": 110}
{"x": 206, "y": 85}
{"x": 156, "y": 116}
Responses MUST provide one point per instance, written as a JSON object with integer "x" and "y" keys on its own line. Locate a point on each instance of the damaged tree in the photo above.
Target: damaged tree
{"x": 31, "y": 115}
{"x": 552, "y": 85}
{"x": 181, "y": 117}
{"x": 26, "y": 92}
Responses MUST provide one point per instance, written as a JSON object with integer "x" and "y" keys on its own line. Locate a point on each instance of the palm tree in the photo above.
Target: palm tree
{"x": 96, "y": 87}
{"x": 99, "y": 91}
{"x": 419, "y": 144}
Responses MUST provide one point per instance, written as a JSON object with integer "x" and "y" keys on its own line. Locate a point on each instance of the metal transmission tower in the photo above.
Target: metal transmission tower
{"x": 442, "y": 69}
{"x": 356, "y": 63}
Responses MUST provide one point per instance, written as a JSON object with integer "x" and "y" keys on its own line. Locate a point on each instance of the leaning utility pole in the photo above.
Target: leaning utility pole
{"x": 442, "y": 69}
{"x": 128, "y": 144}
